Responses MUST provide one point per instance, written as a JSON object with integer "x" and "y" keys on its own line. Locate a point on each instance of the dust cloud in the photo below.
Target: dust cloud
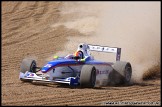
{"x": 132, "y": 26}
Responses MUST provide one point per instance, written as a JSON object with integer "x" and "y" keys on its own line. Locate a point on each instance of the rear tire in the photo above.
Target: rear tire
{"x": 88, "y": 76}
{"x": 121, "y": 74}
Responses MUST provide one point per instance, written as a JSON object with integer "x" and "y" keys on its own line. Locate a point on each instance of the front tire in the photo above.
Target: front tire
{"x": 28, "y": 65}
{"x": 88, "y": 76}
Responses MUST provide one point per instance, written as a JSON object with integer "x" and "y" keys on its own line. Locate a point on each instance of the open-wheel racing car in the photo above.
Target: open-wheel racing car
{"x": 79, "y": 68}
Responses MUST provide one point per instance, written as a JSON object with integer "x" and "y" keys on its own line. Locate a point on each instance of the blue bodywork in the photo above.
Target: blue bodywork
{"x": 72, "y": 81}
{"x": 64, "y": 62}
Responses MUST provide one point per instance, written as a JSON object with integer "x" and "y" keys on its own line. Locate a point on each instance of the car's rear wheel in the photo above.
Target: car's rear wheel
{"x": 122, "y": 72}
{"x": 88, "y": 76}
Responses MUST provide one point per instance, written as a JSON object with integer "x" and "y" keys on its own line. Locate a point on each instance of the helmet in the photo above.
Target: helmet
{"x": 79, "y": 54}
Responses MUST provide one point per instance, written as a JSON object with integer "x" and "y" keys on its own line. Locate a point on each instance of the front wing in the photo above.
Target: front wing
{"x": 72, "y": 81}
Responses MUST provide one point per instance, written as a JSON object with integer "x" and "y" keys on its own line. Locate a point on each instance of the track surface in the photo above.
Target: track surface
{"x": 26, "y": 31}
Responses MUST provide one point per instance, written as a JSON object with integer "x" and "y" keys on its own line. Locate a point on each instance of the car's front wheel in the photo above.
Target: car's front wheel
{"x": 28, "y": 65}
{"x": 88, "y": 76}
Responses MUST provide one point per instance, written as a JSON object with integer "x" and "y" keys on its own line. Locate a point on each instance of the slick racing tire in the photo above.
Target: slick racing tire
{"x": 28, "y": 65}
{"x": 121, "y": 74}
{"x": 88, "y": 76}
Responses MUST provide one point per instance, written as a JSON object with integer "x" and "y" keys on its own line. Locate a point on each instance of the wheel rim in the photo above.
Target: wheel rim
{"x": 93, "y": 77}
{"x": 128, "y": 74}
{"x": 33, "y": 65}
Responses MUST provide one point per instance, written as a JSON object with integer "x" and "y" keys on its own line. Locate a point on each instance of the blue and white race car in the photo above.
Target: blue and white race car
{"x": 79, "y": 69}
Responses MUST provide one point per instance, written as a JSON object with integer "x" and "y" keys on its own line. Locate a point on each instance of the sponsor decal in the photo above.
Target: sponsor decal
{"x": 102, "y": 72}
{"x": 32, "y": 74}
{"x": 27, "y": 74}
{"x": 47, "y": 78}
{"x": 48, "y": 65}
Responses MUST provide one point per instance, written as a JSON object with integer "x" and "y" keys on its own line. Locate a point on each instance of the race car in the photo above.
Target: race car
{"x": 79, "y": 69}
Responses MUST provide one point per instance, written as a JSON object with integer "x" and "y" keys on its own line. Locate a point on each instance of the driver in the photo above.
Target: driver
{"x": 79, "y": 56}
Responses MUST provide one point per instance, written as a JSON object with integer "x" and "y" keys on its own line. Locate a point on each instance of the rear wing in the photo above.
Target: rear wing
{"x": 106, "y": 49}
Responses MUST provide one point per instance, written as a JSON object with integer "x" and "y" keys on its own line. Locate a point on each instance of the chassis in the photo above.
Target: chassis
{"x": 81, "y": 70}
